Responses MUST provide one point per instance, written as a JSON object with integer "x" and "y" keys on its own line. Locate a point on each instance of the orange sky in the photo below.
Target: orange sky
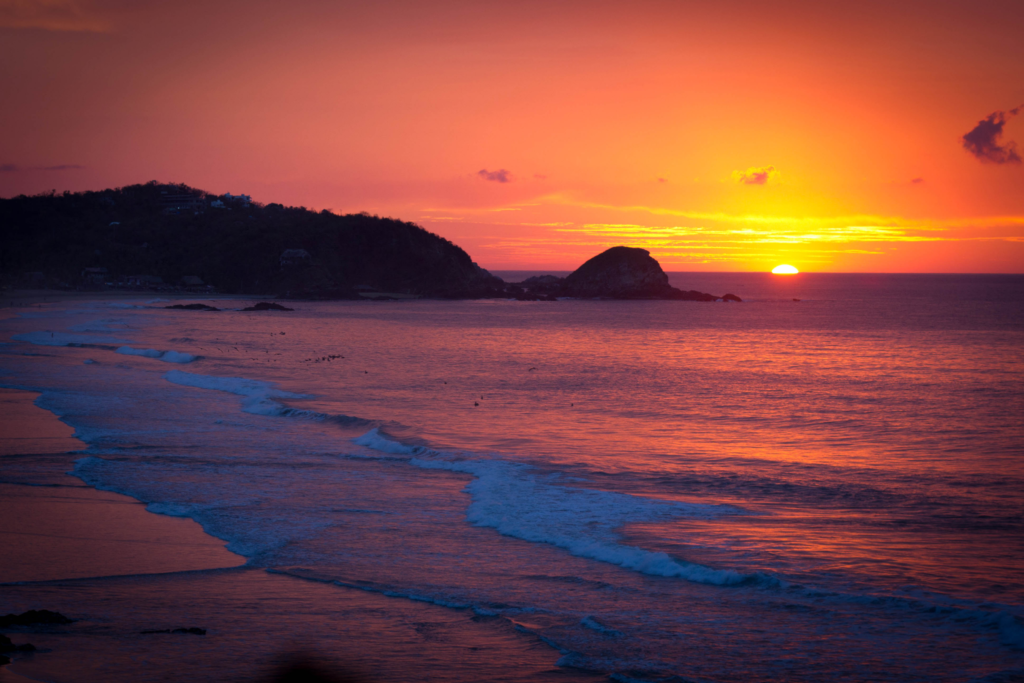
{"x": 642, "y": 123}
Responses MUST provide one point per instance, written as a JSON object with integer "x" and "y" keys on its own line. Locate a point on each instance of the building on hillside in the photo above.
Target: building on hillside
{"x": 174, "y": 201}
{"x": 94, "y": 276}
{"x": 144, "y": 280}
{"x": 295, "y": 257}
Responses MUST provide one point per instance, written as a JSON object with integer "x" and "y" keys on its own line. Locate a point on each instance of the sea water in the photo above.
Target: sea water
{"x": 822, "y": 483}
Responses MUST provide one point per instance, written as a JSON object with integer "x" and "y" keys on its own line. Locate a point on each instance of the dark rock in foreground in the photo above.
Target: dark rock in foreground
{"x": 7, "y": 646}
{"x": 193, "y": 307}
{"x": 33, "y": 617}
{"x": 193, "y": 631}
{"x": 267, "y": 306}
{"x": 299, "y": 668}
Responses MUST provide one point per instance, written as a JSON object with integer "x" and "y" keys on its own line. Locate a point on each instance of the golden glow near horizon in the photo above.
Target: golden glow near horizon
{"x": 784, "y": 269}
{"x": 729, "y": 136}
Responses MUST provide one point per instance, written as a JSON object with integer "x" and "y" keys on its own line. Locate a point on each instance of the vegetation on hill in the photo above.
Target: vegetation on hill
{"x": 143, "y": 232}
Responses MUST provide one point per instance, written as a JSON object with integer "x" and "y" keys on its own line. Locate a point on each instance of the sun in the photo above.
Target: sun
{"x": 785, "y": 270}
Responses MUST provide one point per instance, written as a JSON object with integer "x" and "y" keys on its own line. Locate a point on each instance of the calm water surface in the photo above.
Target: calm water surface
{"x": 778, "y": 490}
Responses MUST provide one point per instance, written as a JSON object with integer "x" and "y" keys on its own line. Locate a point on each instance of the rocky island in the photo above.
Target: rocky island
{"x": 175, "y": 237}
{"x": 617, "y": 273}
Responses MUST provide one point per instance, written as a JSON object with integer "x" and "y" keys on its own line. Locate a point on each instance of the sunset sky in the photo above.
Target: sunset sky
{"x": 729, "y": 135}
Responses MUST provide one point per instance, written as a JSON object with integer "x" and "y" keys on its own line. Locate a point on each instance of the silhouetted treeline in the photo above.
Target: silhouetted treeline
{"x": 139, "y": 233}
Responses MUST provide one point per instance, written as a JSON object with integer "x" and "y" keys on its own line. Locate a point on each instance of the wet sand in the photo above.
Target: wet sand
{"x": 59, "y": 528}
{"x": 253, "y": 620}
{"x": 27, "y": 429}
{"x": 101, "y": 559}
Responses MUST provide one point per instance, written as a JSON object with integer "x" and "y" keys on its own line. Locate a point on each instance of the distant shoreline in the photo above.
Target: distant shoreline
{"x": 15, "y": 298}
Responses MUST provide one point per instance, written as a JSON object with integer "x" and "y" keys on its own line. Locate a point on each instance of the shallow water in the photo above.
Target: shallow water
{"x": 823, "y": 489}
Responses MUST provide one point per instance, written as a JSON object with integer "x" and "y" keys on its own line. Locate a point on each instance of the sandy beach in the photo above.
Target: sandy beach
{"x": 60, "y": 528}
{"x": 66, "y": 529}
{"x": 96, "y": 557}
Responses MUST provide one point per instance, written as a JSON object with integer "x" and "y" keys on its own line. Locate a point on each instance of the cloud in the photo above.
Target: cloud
{"x": 499, "y": 176}
{"x": 755, "y": 175}
{"x": 14, "y": 168}
{"x": 49, "y": 15}
{"x": 983, "y": 140}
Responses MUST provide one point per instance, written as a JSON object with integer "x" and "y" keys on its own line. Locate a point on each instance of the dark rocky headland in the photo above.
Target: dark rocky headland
{"x": 173, "y": 237}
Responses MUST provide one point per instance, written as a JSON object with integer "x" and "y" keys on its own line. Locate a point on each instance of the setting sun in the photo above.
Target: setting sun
{"x": 785, "y": 270}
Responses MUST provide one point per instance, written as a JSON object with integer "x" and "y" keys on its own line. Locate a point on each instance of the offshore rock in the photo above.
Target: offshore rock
{"x": 625, "y": 273}
{"x": 618, "y": 273}
{"x": 267, "y": 306}
{"x": 33, "y": 617}
{"x": 7, "y": 646}
{"x": 193, "y": 307}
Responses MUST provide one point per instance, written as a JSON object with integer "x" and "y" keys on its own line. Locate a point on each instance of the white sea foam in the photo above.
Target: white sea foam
{"x": 147, "y": 353}
{"x": 375, "y": 440}
{"x": 513, "y": 499}
{"x": 166, "y": 356}
{"x": 240, "y": 386}
{"x": 595, "y": 625}
{"x": 47, "y": 338}
{"x": 258, "y": 395}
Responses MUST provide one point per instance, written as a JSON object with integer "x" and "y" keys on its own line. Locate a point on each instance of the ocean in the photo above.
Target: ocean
{"x": 822, "y": 483}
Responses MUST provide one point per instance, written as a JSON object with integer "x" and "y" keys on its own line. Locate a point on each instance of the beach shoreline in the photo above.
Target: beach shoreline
{"x": 24, "y": 298}
{"x": 60, "y": 528}
{"x": 119, "y": 571}
{"x": 67, "y": 529}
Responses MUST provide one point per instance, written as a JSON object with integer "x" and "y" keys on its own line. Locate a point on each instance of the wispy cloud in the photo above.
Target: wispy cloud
{"x": 51, "y": 15}
{"x": 807, "y": 222}
{"x": 983, "y": 140}
{"x": 721, "y": 237}
{"x": 14, "y": 168}
{"x": 500, "y": 176}
{"x": 755, "y": 175}
{"x": 680, "y": 237}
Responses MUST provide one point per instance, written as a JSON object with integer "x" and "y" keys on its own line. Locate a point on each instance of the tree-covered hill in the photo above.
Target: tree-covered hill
{"x": 143, "y": 232}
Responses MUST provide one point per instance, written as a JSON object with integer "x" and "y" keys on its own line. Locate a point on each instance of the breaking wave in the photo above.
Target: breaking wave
{"x": 258, "y": 397}
{"x": 517, "y": 501}
{"x": 166, "y": 356}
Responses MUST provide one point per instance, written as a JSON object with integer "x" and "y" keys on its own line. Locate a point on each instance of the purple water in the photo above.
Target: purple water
{"x": 778, "y": 490}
